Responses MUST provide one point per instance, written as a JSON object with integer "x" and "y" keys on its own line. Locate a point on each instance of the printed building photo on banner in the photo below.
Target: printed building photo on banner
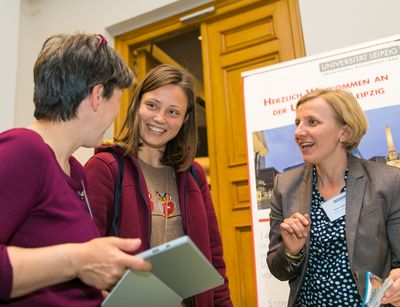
{"x": 381, "y": 144}
{"x": 275, "y": 151}
{"x": 370, "y": 71}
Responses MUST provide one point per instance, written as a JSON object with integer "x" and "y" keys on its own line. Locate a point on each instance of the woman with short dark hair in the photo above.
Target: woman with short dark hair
{"x": 50, "y": 253}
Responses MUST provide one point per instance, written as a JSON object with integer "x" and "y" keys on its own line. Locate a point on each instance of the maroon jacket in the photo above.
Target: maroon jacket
{"x": 198, "y": 216}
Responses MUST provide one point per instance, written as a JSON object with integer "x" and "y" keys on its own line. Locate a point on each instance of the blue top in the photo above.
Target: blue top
{"x": 329, "y": 280}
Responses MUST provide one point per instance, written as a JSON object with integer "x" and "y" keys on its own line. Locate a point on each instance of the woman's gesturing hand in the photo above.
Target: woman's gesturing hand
{"x": 294, "y": 232}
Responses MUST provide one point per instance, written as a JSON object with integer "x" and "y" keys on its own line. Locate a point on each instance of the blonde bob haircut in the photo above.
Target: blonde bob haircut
{"x": 347, "y": 110}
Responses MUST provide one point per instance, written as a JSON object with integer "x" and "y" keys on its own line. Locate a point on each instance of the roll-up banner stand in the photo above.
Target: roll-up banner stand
{"x": 371, "y": 71}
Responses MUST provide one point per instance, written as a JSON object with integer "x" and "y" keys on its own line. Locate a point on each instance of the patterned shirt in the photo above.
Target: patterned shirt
{"x": 329, "y": 280}
{"x": 166, "y": 223}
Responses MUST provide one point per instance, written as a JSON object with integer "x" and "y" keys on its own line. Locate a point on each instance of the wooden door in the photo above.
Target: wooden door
{"x": 238, "y": 36}
{"x": 261, "y": 34}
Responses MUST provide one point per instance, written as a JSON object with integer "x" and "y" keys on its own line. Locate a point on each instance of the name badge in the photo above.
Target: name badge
{"x": 335, "y": 207}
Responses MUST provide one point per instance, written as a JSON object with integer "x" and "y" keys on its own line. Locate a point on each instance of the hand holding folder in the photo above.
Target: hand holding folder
{"x": 179, "y": 271}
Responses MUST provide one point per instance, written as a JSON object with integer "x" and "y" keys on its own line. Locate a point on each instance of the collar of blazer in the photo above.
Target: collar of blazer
{"x": 355, "y": 189}
{"x": 356, "y": 183}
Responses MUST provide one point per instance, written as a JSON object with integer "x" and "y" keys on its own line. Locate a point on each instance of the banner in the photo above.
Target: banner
{"x": 370, "y": 71}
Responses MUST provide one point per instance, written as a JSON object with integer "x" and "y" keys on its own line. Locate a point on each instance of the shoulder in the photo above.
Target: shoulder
{"x": 25, "y": 162}
{"x": 105, "y": 155}
{"x": 21, "y": 137}
{"x": 197, "y": 167}
{"x": 290, "y": 181}
{"x": 293, "y": 176}
{"x": 359, "y": 167}
{"x": 111, "y": 161}
{"x": 198, "y": 171}
{"x": 377, "y": 175}
{"x": 21, "y": 143}
{"x": 196, "y": 175}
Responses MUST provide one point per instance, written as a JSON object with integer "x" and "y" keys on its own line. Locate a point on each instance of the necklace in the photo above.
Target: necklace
{"x": 167, "y": 205}
{"x": 163, "y": 203}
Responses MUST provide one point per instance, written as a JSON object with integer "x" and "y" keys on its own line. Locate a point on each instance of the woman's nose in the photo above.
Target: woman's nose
{"x": 299, "y": 130}
{"x": 159, "y": 117}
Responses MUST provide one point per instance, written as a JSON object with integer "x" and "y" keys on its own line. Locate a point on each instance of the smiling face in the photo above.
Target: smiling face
{"x": 318, "y": 132}
{"x": 162, "y": 113}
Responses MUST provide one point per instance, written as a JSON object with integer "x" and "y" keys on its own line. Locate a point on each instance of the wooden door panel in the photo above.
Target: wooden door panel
{"x": 247, "y": 35}
{"x": 235, "y": 123}
{"x": 244, "y": 239}
{"x": 238, "y": 36}
{"x": 255, "y": 26}
{"x": 253, "y": 53}
{"x": 240, "y": 194}
{"x": 255, "y": 37}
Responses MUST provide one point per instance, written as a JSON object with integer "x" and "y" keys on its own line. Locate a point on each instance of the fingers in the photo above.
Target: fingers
{"x": 102, "y": 261}
{"x": 392, "y": 295}
{"x": 294, "y": 232}
{"x": 126, "y": 245}
{"x": 297, "y": 224}
{"x": 136, "y": 263}
{"x": 104, "y": 293}
{"x": 128, "y": 261}
{"x": 394, "y": 274}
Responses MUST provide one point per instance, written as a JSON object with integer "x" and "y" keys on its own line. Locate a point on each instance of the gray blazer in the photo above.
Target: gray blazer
{"x": 372, "y": 220}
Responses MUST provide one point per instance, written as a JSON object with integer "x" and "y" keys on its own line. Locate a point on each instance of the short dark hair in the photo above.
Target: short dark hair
{"x": 180, "y": 151}
{"x": 67, "y": 69}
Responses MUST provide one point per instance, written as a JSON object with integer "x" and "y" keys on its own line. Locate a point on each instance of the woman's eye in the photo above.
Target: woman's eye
{"x": 174, "y": 113}
{"x": 151, "y": 105}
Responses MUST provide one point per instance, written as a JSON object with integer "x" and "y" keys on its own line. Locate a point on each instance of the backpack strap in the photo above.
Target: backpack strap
{"x": 118, "y": 190}
{"x": 117, "y": 193}
{"x": 193, "y": 172}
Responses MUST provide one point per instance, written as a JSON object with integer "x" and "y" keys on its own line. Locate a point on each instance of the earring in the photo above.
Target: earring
{"x": 341, "y": 141}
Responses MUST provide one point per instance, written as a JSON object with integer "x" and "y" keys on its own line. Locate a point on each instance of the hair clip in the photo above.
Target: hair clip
{"x": 102, "y": 41}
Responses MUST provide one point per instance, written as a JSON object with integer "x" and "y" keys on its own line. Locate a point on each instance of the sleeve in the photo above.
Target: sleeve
{"x": 279, "y": 265}
{"x": 101, "y": 181}
{"x": 6, "y": 276}
{"x": 393, "y": 222}
{"x": 221, "y": 293}
{"x": 21, "y": 181}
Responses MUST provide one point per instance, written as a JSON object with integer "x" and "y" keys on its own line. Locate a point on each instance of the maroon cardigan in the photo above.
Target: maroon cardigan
{"x": 198, "y": 216}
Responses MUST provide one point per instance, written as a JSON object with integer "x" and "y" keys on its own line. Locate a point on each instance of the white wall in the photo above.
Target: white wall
{"x": 9, "y": 16}
{"x": 41, "y": 18}
{"x": 327, "y": 25}
{"x": 332, "y": 24}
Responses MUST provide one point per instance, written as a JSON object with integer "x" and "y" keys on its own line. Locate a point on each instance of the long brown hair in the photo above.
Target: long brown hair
{"x": 180, "y": 151}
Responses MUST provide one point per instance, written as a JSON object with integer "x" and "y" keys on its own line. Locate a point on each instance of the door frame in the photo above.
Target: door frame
{"x": 140, "y": 37}
{"x": 139, "y": 40}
